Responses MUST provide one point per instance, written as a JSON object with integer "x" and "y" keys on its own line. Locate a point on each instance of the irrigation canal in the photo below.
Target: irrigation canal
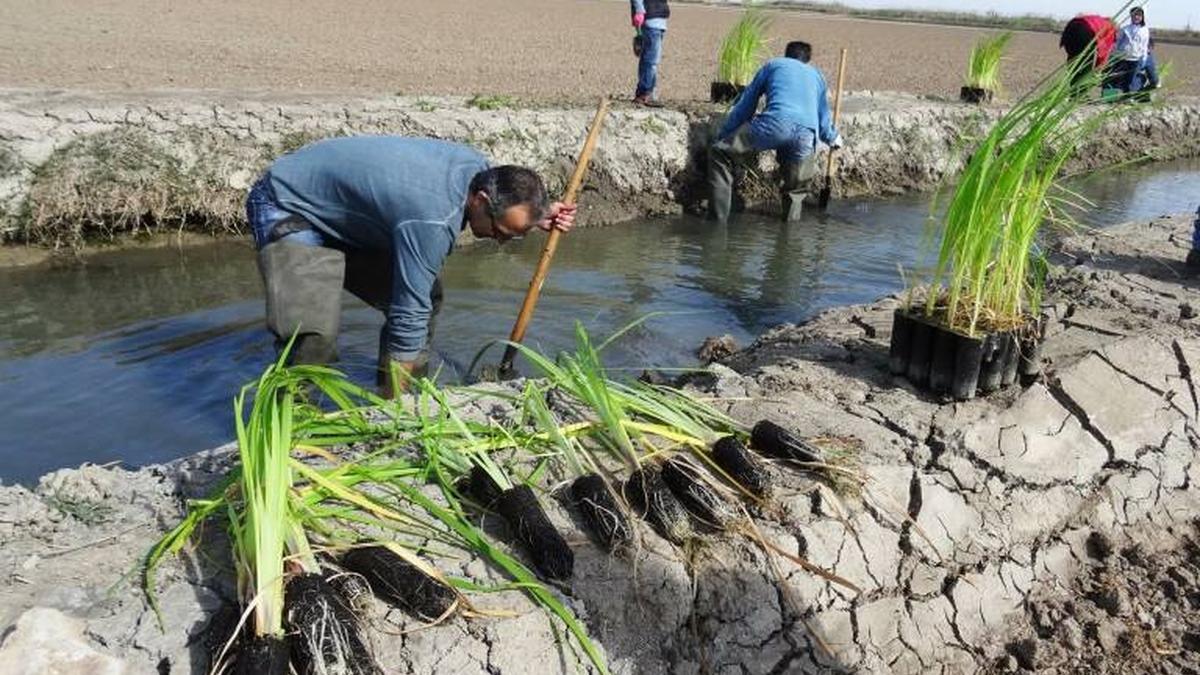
{"x": 136, "y": 355}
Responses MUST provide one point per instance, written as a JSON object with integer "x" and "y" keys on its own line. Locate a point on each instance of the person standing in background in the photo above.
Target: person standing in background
{"x": 1149, "y": 73}
{"x": 1133, "y": 45}
{"x": 650, "y": 18}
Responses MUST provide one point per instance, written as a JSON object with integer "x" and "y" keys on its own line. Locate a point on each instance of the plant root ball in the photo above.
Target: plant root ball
{"x": 601, "y": 512}
{"x": 551, "y": 555}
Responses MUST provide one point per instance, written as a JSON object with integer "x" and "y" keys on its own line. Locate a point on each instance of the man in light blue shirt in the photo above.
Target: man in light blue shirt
{"x": 795, "y": 115}
{"x": 378, "y": 215}
{"x": 650, "y": 18}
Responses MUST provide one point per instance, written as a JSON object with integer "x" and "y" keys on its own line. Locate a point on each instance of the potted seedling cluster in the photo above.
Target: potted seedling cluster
{"x": 328, "y": 510}
{"x": 983, "y": 69}
{"x": 742, "y": 51}
{"x": 975, "y": 327}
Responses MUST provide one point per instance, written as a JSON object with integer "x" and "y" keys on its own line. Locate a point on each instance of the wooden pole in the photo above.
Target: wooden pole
{"x": 827, "y": 190}
{"x": 543, "y": 265}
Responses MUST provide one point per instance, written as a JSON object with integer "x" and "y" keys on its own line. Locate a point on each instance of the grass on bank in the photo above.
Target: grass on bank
{"x": 134, "y": 182}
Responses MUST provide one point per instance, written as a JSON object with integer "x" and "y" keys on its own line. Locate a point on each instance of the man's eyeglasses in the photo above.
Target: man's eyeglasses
{"x": 503, "y": 234}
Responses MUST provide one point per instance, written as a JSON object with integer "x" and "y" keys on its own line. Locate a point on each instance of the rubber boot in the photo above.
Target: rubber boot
{"x": 304, "y": 297}
{"x": 797, "y": 178}
{"x": 723, "y": 157}
{"x": 1192, "y": 263}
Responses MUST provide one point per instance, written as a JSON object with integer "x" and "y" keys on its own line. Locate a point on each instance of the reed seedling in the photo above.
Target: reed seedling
{"x": 744, "y": 47}
{"x": 983, "y": 67}
{"x": 591, "y": 492}
{"x": 988, "y": 275}
{"x": 516, "y": 503}
{"x": 259, "y": 531}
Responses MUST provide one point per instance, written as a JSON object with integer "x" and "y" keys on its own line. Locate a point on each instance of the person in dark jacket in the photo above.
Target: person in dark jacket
{"x": 378, "y": 215}
{"x": 795, "y": 116}
{"x": 650, "y": 18}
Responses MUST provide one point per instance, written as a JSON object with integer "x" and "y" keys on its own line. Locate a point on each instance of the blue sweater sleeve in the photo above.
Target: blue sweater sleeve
{"x": 637, "y": 7}
{"x": 744, "y": 107}
{"x": 824, "y": 118}
{"x": 418, "y": 256}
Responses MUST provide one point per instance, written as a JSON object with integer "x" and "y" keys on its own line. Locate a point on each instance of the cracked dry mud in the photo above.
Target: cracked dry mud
{"x": 1051, "y": 527}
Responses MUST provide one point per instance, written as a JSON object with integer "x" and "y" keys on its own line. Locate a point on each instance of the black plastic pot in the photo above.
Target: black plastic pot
{"x": 1012, "y": 359}
{"x": 918, "y": 353}
{"x": 991, "y": 369}
{"x": 974, "y": 95}
{"x": 1030, "y": 342}
{"x": 724, "y": 92}
{"x": 943, "y": 361}
{"x": 902, "y": 328}
{"x": 968, "y": 356}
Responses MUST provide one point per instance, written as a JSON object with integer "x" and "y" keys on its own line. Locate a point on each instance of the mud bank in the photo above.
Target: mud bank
{"x": 1050, "y": 527}
{"x": 78, "y": 167}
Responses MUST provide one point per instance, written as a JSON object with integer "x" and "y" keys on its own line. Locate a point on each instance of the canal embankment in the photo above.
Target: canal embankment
{"x": 82, "y": 168}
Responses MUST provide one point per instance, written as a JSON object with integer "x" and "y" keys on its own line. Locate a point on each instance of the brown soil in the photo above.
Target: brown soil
{"x": 575, "y": 49}
{"x": 1132, "y": 610}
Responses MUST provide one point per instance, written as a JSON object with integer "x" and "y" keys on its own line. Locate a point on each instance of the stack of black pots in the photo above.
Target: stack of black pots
{"x": 974, "y": 95}
{"x": 724, "y": 92}
{"x": 938, "y": 359}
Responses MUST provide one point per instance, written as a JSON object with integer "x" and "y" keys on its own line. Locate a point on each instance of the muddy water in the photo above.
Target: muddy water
{"x": 135, "y": 356}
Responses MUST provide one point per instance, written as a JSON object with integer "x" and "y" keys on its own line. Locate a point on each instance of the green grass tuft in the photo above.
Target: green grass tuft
{"x": 492, "y": 102}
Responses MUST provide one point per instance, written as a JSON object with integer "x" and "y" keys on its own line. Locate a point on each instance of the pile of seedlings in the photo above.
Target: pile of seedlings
{"x": 741, "y": 53}
{"x": 983, "y": 69}
{"x": 976, "y": 325}
{"x": 329, "y": 506}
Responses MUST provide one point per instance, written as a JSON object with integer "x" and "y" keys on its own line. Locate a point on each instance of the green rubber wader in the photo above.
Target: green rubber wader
{"x": 304, "y": 296}
{"x": 797, "y": 179}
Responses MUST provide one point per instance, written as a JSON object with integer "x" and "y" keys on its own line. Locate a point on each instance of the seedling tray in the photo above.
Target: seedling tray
{"x": 944, "y": 361}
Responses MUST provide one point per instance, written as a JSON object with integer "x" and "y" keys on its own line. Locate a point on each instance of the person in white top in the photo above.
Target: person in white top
{"x": 1133, "y": 46}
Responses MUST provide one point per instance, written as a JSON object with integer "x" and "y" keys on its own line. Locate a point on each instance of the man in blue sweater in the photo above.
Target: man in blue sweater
{"x": 795, "y": 116}
{"x": 378, "y": 215}
{"x": 650, "y": 18}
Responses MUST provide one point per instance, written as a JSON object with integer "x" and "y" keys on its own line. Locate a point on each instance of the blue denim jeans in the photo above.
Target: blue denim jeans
{"x": 652, "y": 39}
{"x": 792, "y": 143}
{"x": 1147, "y": 77}
{"x": 263, "y": 214}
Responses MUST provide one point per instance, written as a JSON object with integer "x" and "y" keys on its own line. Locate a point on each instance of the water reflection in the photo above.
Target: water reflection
{"x": 136, "y": 355}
